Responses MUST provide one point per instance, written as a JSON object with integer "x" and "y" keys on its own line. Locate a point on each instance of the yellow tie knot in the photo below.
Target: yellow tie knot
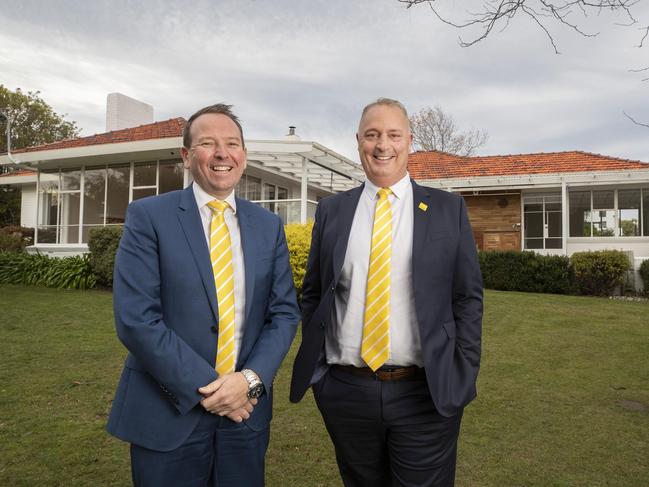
{"x": 218, "y": 205}
{"x": 383, "y": 193}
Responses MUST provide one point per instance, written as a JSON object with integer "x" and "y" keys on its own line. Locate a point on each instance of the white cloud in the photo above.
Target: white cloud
{"x": 315, "y": 64}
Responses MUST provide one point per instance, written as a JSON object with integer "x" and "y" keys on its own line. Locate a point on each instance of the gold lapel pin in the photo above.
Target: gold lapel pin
{"x": 423, "y": 206}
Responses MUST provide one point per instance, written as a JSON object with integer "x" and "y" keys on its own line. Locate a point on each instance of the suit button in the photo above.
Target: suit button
{"x": 323, "y": 324}
{"x": 214, "y": 329}
{"x": 333, "y": 289}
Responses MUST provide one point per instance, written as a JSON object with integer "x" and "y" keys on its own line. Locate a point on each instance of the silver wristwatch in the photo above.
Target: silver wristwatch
{"x": 255, "y": 385}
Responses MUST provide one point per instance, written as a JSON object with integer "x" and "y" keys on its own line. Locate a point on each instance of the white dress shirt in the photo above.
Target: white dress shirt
{"x": 238, "y": 266}
{"x": 343, "y": 338}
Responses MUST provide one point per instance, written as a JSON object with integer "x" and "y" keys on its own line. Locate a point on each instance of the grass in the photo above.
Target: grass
{"x": 563, "y": 396}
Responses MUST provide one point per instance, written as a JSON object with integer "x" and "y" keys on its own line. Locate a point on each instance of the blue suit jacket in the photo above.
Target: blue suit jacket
{"x": 166, "y": 314}
{"x": 446, "y": 281}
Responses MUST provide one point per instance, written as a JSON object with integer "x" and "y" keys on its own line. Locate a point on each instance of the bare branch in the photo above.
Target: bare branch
{"x": 498, "y": 13}
{"x": 635, "y": 121}
{"x": 433, "y": 129}
{"x": 644, "y": 37}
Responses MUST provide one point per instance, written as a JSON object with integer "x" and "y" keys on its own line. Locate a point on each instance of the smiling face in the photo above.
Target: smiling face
{"x": 384, "y": 141}
{"x": 216, "y": 157}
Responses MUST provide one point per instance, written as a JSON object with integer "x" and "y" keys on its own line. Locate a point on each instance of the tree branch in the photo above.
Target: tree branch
{"x": 635, "y": 121}
{"x": 541, "y": 12}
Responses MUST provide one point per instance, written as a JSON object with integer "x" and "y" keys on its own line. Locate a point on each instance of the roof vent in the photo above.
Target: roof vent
{"x": 291, "y": 134}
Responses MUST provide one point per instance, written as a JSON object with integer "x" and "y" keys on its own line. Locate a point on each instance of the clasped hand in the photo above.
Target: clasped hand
{"x": 228, "y": 396}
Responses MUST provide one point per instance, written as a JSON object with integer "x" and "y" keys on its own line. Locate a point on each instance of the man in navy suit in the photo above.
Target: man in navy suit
{"x": 391, "y": 338}
{"x": 189, "y": 425}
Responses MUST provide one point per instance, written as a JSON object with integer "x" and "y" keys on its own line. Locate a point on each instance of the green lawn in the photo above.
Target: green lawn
{"x": 563, "y": 396}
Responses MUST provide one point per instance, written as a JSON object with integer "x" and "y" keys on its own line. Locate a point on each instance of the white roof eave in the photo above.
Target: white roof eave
{"x": 540, "y": 180}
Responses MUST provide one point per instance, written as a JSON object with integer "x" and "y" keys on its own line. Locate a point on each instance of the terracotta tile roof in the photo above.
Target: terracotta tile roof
{"x": 19, "y": 172}
{"x": 440, "y": 165}
{"x": 157, "y": 130}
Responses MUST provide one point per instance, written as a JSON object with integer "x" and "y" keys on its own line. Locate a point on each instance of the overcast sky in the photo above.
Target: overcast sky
{"x": 316, "y": 63}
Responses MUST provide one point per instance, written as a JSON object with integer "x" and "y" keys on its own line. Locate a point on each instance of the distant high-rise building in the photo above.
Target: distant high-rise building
{"x": 125, "y": 112}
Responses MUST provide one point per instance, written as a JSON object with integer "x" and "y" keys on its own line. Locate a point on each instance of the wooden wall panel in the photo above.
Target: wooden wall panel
{"x": 495, "y": 219}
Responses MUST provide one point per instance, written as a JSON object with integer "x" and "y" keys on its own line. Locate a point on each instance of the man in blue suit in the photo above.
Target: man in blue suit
{"x": 391, "y": 317}
{"x": 204, "y": 302}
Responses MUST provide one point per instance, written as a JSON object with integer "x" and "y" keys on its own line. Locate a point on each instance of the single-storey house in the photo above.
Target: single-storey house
{"x": 72, "y": 186}
{"x": 551, "y": 203}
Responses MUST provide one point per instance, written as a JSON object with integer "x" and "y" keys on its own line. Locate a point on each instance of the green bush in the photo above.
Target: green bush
{"x": 525, "y": 271}
{"x": 103, "y": 244}
{"x": 599, "y": 273}
{"x": 41, "y": 270}
{"x": 298, "y": 237}
{"x": 11, "y": 242}
{"x": 644, "y": 275}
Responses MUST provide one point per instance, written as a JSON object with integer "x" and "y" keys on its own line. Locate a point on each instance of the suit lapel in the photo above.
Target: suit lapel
{"x": 421, "y": 221}
{"x": 190, "y": 221}
{"x": 345, "y": 218}
{"x": 249, "y": 248}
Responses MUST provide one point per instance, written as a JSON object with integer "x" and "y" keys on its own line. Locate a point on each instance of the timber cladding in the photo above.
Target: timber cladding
{"x": 496, "y": 219}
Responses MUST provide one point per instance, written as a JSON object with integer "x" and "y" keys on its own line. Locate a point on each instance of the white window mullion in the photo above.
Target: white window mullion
{"x": 81, "y": 199}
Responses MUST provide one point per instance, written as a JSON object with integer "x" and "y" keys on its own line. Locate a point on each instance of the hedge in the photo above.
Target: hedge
{"x": 298, "y": 237}
{"x": 644, "y": 275}
{"x": 41, "y": 270}
{"x": 599, "y": 273}
{"x": 15, "y": 238}
{"x": 102, "y": 244}
{"x": 525, "y": 271}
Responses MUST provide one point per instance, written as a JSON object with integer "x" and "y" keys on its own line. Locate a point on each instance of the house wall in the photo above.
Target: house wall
{"x": 28, "y": 205}
{"x": 495, "y": 219}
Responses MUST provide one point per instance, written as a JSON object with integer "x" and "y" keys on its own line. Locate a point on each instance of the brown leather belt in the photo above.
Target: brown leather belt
{"x": 384, "y": 374}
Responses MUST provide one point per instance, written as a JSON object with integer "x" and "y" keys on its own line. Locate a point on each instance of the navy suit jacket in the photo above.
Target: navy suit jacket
{"x": 446, "y": 281}
{"x": 166, "y": 314}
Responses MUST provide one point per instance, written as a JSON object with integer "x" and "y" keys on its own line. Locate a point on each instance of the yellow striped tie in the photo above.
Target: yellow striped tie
{"x": 221, "y": 256}
{"x": 375, "y": 348}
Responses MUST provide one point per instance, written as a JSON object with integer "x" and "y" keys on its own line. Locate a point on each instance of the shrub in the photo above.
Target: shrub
{"x": 41, "y": 270}
{"x": 15, "y": 232}
{"x": 11, "y": 242}
{"x": 525, "y": 271}
{"x": 599, "y": 273}
{"x": 103, "y": 244}
{"x": 644, "y": 275}
{"x": 298, "y": 237}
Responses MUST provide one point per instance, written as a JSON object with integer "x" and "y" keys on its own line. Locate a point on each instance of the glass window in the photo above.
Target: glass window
{"x": 69, "y": 227}
{"x": 171, "y": 176}
{"x": 603, "y": 200}
{"x": 144, "y": 174}
{"x": 628, "y": 203}
{"x": 603, "y": 223}
{"x": 117, "y": 193}
{"x": 580, "y": 214}
{"x": 142, "y": 193}
{"x": 71, "y": 180}
{"x": 94, "y": 194}
{"x": 534, "y": 225}
{"x": 253, "y": 188}
{"x": 543, "y": 225}
{"x": 269, "y": 194}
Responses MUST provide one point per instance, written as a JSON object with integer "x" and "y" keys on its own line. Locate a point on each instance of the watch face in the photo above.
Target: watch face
{"x": 255, "y": 391}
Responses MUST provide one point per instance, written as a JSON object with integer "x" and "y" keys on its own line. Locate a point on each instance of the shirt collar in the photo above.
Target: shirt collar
{"x": 398, "y": 189}
{"x": 203, "y": 198}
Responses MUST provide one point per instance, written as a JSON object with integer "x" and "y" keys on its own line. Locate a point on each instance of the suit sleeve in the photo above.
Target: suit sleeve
{"x": 467, "y": 293}
{"x": 281, "y": 317}
{"x": 177, "y": 368}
